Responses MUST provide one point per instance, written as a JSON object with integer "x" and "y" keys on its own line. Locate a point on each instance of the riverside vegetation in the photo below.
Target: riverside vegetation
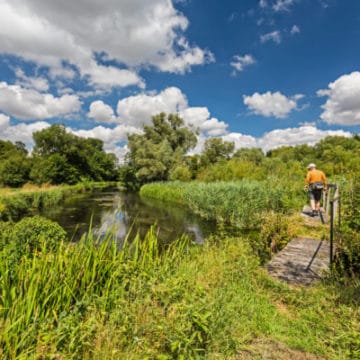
{"x": 98, "y": 299}
{"x": 93, "y": 300}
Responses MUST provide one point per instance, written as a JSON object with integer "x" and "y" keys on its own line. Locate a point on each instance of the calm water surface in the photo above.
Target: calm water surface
{"x": 124, "y": 213}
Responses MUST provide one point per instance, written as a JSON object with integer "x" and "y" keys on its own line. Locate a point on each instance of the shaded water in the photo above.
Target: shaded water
{"x": 123, "y": 213}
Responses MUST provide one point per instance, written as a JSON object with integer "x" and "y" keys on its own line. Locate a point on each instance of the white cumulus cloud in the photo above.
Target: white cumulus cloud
{"x": 133, "y": 33}
{"x": 296, "y": 136}
{"x": 37, "y": 83}
{"x": 20, "y": 132}
{"x": 101, "y": 112}
{"x": 343, "y": 105}
{"x": 137, "y": 110}
{"x": 271, "y": 104}
{"x": 241, "y": 140}
{"x": 29, "y": 104}
{"x": 199, "y": 118}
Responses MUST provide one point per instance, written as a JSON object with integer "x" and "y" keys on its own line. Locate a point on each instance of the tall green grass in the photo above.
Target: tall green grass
{"x": 240, "y": 203}
{"x": 96, "y": 300}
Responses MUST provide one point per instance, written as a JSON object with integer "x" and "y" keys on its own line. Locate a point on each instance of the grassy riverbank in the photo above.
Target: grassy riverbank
{"x": 93, "y": 301}
{"x": 15, "y": 203}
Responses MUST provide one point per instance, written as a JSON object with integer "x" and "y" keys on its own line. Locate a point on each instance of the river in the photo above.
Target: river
{"x": 126, "y": 213}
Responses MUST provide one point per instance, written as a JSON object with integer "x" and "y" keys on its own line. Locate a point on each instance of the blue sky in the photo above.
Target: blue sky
{"x": 261, "y": 73}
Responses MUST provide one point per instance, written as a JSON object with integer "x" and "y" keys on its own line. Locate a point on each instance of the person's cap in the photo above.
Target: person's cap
{"x": 311, "y": 166}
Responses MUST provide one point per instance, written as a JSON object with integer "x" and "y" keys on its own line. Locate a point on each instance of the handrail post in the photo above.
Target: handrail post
{"x": 331, "y": 232}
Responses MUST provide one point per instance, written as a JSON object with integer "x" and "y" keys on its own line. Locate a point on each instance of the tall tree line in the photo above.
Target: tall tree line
{"x": 58, "y": 157}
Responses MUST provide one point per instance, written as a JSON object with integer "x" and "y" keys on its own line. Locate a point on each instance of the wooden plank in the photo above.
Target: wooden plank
{"x": 303, "y": 261}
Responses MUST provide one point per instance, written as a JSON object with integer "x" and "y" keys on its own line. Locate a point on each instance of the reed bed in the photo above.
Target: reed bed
{"x": 240, "y": 203}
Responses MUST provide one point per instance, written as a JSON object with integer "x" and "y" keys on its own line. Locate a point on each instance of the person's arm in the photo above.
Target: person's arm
{"x": 307, "y": 182}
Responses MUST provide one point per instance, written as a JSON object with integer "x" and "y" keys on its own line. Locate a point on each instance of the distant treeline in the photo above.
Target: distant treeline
{"x": 58, "y": 157}
{"x": 161, "y": 153}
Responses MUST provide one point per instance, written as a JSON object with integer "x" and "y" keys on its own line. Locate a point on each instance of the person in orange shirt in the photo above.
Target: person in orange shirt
{"x": 315, "y": 183}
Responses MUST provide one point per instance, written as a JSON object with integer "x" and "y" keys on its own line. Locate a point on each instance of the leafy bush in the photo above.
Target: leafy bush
{"x": 30, "y": 232}
{"x": 349, "y": 249}
{"x": 273, "y": 237}
{"x": 30, "y": 236}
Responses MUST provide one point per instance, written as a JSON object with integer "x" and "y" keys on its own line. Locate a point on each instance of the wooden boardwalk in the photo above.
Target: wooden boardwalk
{"x": 302, "y": 262}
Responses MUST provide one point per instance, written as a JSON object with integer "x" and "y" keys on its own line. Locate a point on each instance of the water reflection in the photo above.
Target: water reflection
{"x": 123, "y": 214}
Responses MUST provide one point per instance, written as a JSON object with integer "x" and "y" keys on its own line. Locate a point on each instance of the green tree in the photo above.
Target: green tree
{"x": 215, "y": 150}
{"x": 254, "y": 155}
{"x": 160, "y": 148}
{"x": 14, "y": 171}
{"x": 53, "y": 169}
{"x": 67, "y": 158}
{"x": 14, "y": 165}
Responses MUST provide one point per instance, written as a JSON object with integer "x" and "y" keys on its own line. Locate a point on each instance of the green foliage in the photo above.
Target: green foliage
{"x": 128, "y": 179}
{"x": 348, "y": 260}
{"x": 31, "y": 233}
{"x": 95, "y": 300}
{"x": 254, "y": 155}
{"x": 6, "y": 228}
{"x": 235, "y": 169}
{"x": 170, "y": 191}
{"x": 14, "y": 206}
{"x": 8, "y": 149}
{"x": 242, "y": 203}
{"x": 30, "y": 236}
{"x": 62, "y": 157}
{"x": 14, "y": 171}
{"x": 215, "y": 150}
{"x": 14, "y": 164}
{"x": 273, "y": 236}
{"x": 53, "y": 170}
{"x": 181, "y": 173}
{"x": 160, "y": 148}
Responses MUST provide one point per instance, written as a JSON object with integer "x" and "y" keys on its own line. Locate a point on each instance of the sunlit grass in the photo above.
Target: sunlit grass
{"x": 15, "y": 203}
{"x": 95, "y": 300}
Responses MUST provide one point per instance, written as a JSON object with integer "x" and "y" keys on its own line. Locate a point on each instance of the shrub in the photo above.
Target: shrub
{"x": 30, "y": 232}
{"x": 30, "y": 236}
{"x": 273, "y": 236}
{"x": 27, "y": 239}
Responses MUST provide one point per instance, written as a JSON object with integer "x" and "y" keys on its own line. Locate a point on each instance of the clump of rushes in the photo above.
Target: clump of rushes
{"x": 240, "y": 203}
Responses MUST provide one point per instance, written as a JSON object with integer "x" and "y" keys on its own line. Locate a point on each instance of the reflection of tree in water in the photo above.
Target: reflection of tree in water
{"x": 121, "y": 213}
{"x": 171, "y": 221}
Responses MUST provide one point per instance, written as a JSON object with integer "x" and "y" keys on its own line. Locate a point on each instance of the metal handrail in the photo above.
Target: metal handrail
{"x": 335, "y": 204}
